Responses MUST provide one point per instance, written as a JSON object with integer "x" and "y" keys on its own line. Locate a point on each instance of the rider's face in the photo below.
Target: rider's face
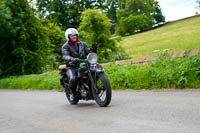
{"x": 73, "y": 37}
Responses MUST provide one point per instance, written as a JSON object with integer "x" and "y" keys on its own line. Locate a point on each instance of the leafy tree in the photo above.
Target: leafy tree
{"x": 198, "y": 6}
{"x": 133, "y": 23}
{"x": 66, "y": 13}
{"x": 198, "y": 2}
{"x": 146, "y": 11}
{"x": 158, "y": 16}
{"x": 95, "y": 28}
{"x": 56, "y": 37}
{"x": 24, "y": 44}
{"x": 112, "y": 13}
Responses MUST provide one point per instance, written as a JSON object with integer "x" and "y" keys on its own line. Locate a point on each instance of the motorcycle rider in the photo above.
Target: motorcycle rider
{"x": 72, "y": 52}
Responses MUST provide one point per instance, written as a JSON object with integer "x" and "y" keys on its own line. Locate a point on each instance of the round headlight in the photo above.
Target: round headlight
{"x": 92, "y": 58}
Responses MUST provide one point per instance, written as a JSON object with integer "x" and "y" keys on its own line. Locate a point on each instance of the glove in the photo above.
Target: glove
{"x": 94, "y": 47}
{"x": 75, "y": 60}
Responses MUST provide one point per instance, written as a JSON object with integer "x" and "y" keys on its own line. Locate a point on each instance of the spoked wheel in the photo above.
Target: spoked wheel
{"x": 103, "y": 93}
{"x": 73, "y": 99}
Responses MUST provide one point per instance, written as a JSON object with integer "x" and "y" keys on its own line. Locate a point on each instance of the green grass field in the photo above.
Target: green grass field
{"x": 176, "y": 36}
{"x": 163, "y": 73}
{"x": 45, "y": 81}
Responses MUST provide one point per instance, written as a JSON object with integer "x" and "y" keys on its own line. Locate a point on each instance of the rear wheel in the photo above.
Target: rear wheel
{"x": 103, "y": 93}
{"x": 72, "y": 98}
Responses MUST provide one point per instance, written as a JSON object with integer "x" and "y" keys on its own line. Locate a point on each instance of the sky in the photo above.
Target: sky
{"x": 177, "y": 9}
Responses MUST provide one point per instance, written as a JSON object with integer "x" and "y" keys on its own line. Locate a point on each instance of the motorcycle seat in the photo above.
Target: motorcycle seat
{"x": 62, "y": 67}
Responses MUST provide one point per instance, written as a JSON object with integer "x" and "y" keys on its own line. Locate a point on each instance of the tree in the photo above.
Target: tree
{"x": 158, "y": 16}
{"x": 133, "y": 23}
{"x": 95, "y": 28}
{"x": 24, "y": 42}
{"x": 56, "y": 37}
{"x": 112, "y": 13}
{"x": 147, "y": 12}
{"x": 66, "y": 13}
{"x": 198, "y": 6}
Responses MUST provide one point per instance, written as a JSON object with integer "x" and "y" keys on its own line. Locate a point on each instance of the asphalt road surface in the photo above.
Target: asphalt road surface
{"x": 166, "y": 111}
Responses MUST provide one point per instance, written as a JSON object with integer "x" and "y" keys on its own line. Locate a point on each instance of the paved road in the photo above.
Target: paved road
{"x": 167, "y": 111}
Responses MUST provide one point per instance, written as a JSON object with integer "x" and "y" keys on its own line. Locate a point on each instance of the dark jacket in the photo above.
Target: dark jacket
{"x": 69, "y": 52}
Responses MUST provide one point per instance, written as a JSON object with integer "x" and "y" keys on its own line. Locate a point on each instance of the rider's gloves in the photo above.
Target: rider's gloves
{"x": 75, "y": 60}
{"x": 94, "y": 47}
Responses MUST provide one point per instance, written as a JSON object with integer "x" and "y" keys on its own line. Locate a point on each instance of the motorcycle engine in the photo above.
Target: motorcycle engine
{"x": 83, "y": 90}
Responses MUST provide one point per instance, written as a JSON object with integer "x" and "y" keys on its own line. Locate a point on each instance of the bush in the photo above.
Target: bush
{"x": 25, "y": 45}
{"x": 95, "y": 28}
{"x": 133, "y": 24}
{"x": 112, "y": 56}
{"x": 57, "y": 39}
{"x": 137, "y": 15}
{"x": 45, "y": 81}
{"x": 163, "y": 73}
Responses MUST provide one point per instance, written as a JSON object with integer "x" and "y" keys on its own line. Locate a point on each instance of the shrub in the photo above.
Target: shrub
{"x": 95, "y": 28}
{"x": 163, "y": 73}
{"x": 25, "y": 45}
{"x": 133, "y": 24}
{"x": 45, "y": 81}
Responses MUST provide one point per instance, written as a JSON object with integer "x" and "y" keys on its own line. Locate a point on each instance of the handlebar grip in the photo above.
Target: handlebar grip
{"x": 80, "y": 60}
{"x": 71, "y": 63}
{"x": 83, "y": 60}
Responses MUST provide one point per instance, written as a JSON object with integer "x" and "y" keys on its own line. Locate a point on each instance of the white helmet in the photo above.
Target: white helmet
{"x": 70, "y": 31}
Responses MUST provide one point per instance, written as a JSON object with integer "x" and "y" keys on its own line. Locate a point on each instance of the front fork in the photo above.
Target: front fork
{"x": 96, "y": 70}
{"x": 93, "y": 80}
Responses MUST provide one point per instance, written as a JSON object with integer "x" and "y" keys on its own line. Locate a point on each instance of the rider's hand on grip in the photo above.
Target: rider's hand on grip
{"x": 75, "y": 60}
{"x": 94, "y": 47}
{"x": 85, "y": 60}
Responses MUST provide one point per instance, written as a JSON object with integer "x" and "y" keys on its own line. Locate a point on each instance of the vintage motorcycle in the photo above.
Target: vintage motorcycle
{"x": 92, "y": 83}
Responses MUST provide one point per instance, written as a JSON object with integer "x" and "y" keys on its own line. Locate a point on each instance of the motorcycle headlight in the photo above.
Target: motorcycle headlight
{"x": 92, "y": 58}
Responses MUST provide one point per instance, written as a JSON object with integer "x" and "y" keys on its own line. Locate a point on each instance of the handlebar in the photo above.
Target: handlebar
{"x": 84, "y": 60}
{"x": 79, "y": 61}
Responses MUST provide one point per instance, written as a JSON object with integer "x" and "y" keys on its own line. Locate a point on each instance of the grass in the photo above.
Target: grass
{"x": 45, "y": 81}
{"x": 176, "y": 36}
{"x": 163, "y": 73}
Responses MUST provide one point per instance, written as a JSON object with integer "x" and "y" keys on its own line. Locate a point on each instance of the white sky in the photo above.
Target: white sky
{"x": 177, "y": 9}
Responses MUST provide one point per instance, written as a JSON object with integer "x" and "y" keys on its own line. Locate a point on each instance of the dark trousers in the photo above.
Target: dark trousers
{"x": 71, "y": 75}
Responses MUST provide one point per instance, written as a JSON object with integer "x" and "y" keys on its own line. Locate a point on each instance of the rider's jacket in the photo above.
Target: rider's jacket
{"x": 69, "y": 51}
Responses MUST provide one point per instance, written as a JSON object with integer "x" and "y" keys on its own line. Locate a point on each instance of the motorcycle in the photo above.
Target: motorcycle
{"x": 92, "y": 83}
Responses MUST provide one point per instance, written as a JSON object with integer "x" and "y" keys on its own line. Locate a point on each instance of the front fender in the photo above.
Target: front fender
{"x": 99, "y": 69}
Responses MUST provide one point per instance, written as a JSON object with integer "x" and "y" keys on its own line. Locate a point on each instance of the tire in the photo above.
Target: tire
{"x": 74, "y": 101}
{"x": 104, "y": 86}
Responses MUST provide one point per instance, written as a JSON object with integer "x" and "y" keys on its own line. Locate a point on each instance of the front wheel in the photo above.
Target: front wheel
{"x": 73, "y": 99}
{"x": 103, "y": 93}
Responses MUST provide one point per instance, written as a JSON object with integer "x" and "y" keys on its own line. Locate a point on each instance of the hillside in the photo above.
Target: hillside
{"x": 175, "y": 36}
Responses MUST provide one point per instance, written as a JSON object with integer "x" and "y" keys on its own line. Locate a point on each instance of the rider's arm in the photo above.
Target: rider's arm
{"x": 94, "y": 47}
{"x": 65, "y": 53}
{"x": 89, "y": 50}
